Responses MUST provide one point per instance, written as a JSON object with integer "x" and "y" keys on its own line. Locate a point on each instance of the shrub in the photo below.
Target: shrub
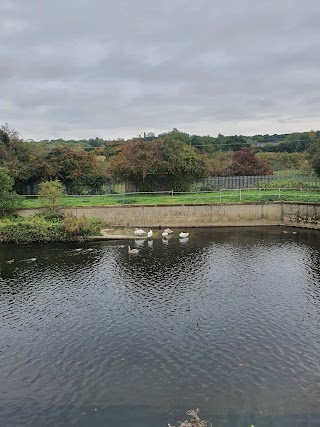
{"x": 32, "y": 229}
{"x": 288, "y": 183}
{"x": 126, "y": 200}
{"x": 82, "y": 226}
{"x": 51, "y": 193}
{"x": 9, "y": 199}
{"x": 46, "y": 228}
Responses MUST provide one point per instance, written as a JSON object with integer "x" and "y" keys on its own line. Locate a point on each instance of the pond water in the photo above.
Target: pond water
{"x": 227, "y": 321}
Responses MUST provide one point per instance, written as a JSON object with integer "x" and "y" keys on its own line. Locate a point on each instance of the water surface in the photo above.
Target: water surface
{"x": 227, "y": 321}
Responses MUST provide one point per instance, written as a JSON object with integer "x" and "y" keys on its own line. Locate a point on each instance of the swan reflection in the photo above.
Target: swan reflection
{"x": 184, "y": 240}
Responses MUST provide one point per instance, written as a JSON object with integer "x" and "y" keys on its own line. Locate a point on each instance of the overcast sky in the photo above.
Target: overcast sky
{"x": 112, "y": 68}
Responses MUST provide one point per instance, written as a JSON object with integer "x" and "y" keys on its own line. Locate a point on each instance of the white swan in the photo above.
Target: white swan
{"x": 139, "y": 232}
{"x": 165, "y": 234}
{"x": 168, "y": 230}
{"x": 150, "y": 233}
{"x": 133, "y": 251}
{"x": 182, "y": 234}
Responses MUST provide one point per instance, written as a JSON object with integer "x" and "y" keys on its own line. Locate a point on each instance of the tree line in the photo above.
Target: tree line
{"x": 172, "y": 160}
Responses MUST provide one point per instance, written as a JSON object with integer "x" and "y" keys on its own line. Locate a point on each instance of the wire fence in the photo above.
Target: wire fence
{"x": 223, "y": 195}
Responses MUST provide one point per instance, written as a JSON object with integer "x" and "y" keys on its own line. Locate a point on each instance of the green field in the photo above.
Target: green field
{"x": 225, "y": 196}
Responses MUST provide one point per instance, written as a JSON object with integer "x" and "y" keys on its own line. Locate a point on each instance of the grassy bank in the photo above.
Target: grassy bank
{"x": 225, "y": 196}
{"x": 46, "y": 228}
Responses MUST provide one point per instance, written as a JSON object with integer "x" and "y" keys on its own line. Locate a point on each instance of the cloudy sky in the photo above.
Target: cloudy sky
{"x": 112, "y": 68}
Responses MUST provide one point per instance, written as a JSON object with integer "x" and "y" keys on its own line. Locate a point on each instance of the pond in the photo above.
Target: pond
{"x": 227, "y": 320}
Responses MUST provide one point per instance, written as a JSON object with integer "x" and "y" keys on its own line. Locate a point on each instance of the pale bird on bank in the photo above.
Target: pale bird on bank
{"x": 165, "y": 234}
{"x": 150, "y": 233}
{"x": 182, "y": 234}
{"x": 139, "y": 232}
{"x": 133, "y": 251}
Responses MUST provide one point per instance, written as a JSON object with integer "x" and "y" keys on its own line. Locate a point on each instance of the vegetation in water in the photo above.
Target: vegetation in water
{"x": 194, "y": 421}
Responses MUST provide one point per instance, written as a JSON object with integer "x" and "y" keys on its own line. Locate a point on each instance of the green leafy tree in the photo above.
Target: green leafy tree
{"x": 314, "y": 157}
{"x": 51, "y": 193}
{"x": 161, "y": 164}
{"x": 9, "y": 199}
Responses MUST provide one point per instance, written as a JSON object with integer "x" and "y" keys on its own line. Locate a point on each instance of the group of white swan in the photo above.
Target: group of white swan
{"x": 140, "y": 233}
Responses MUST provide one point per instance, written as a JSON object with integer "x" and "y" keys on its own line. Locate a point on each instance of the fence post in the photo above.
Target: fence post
{"x": 240, "y": 194}
{"x": 220, "y": 196}
{"x": 279, "y": 195}
{"x": 172, "y": 193}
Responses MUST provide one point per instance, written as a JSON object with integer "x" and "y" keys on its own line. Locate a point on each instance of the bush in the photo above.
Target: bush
{"x": 288, "y": 183}
{"x": 82, "y": 226}
{"x": 9, "y": 199}
{"x": 51, "y": 193}
{"x": 32, "y": 229}
{"x": 126, "y": 200}
{"x": 46, "y": 228}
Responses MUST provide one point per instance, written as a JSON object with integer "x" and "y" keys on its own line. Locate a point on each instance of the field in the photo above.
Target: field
{"x": 223, "y": 196}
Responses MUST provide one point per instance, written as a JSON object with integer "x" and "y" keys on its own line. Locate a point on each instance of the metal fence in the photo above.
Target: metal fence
{"x": 237, "y": 182}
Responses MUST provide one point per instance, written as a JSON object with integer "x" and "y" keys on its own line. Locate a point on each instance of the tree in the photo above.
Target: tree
{"x": 10, "y": 146}
{"x": 162, "y": 164}
{"x": 314, "y": 157}
{"x": 68, "y": 164}
{"x": 9, "y": 199}
{"x": 245, "y": 162}
{"x": 51, "y": 193}
{"x": 235, "y": 143}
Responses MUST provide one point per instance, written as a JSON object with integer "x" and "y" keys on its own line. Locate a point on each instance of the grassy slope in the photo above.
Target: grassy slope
{"x": 214, "y": 197}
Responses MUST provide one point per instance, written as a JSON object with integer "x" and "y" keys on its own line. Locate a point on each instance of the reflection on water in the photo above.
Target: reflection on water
{"x": 226, "y": 320}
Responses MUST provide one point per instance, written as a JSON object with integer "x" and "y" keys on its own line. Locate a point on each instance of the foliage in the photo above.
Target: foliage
{"x": 219, "y": 163}
{"x": 10, "y": 145}
{"x": 195, "y": 420}
{"x": 92, "y": 183}
{"x": 46, "y": 228}
{"x": 284, "y": 161}
{"x": 82, "y": 226}
{"x": 289, "y": 183}
{"x": 9, "y": 199}
{"x": 170, "y": 160}
{"x": 164, "y": 163}
{"x": 314, "y": 157}
{"x": 291, "y": 143}
{"x": 51, "y": 193}
{"x": 246, "y": 163}
{"x": 67, "y": 164}
{"x": 31, "y": 229}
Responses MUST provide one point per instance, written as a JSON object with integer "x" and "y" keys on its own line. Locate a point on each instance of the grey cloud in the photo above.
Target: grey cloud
{"x": 82, "y": 68}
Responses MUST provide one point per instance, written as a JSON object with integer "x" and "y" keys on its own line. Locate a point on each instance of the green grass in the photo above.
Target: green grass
{"x": 227, "y": 196}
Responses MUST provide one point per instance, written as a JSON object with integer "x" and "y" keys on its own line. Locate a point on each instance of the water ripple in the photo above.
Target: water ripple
{"x": 227, "y": 321}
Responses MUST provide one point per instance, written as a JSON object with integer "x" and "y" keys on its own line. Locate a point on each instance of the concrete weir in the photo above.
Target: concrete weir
{"x": 202, "y": 215}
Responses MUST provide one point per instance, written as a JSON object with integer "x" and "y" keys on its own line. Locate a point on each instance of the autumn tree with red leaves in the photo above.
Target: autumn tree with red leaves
{"x": 246, "y": 163}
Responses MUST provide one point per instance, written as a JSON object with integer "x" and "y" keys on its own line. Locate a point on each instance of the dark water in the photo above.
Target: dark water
{"x": 228, "y": 321}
